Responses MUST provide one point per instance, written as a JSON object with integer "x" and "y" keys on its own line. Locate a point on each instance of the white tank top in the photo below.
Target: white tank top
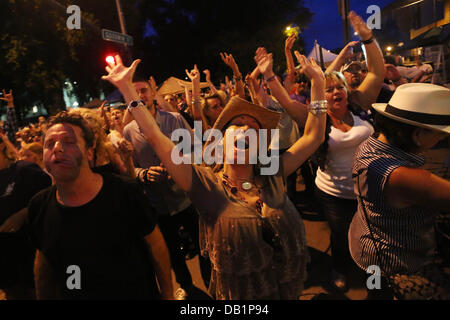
{"x": 336, "y": 180}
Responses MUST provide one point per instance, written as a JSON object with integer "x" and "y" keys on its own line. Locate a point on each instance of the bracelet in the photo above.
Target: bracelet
{"x": 368, "y": 41}
{"x": 271, "y": 78}
{"x": 318, "y": 107}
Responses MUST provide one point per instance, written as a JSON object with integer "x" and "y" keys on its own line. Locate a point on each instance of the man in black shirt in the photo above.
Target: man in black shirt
{"x": 96, "y": 234}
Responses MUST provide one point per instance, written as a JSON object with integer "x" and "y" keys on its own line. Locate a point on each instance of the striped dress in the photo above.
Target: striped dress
{"x": 403, "y": 237}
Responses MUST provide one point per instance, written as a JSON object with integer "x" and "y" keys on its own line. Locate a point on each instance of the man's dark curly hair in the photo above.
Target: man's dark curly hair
{"x": 76, "y": 120}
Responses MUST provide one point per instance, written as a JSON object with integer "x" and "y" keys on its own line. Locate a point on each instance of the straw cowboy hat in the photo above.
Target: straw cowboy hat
{"x": 419, "y": 104}
{"x": 268, "y": 119}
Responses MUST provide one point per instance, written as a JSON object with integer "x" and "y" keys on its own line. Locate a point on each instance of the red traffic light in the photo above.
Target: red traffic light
{"x": 110, "y": 60}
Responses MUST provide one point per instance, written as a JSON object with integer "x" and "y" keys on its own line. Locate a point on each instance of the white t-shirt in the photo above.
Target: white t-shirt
{"x": 336, "y": 180}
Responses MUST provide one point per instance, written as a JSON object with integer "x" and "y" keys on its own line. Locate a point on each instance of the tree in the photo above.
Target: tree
{"x": 188, "y": 32}
{"x": 41, "y": 53}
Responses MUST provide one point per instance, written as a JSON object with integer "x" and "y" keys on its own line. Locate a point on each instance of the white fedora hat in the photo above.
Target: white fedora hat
{"x": 419, "y": 104}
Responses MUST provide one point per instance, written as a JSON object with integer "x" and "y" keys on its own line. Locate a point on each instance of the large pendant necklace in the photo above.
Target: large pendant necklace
{"x": 245, "y": 185}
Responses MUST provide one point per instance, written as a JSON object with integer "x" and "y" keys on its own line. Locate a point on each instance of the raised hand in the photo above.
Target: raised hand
{"x": 8, "y": 97}
{"x": 208, "y": 75}
{"x": 264, "y": 61}
{"x": 118, "y": 74}
{"x": 194, "y": 75}
{"x": 310, "y": 68}
{"x": 125, "y": 148}
{"x": 347, "y": 52}
{"x": 229, "y": 61}
{"x": 359, "y": 26}
{"x": 289, "y": 43}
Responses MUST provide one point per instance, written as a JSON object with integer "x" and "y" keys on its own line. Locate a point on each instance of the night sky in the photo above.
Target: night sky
{"x": 326, "y": 25}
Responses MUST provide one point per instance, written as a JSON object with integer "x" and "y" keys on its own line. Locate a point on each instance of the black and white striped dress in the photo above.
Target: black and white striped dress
{"x": 404, "y": 237}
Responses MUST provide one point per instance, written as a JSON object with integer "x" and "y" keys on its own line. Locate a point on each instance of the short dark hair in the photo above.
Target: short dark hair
{"x": 139, "y": 78}
{"x": 399, "y": 134}
{"x": 76, "y": 120}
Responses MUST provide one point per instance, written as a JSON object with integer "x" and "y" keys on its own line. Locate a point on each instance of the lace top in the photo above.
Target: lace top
{"x": 253, "y": 256}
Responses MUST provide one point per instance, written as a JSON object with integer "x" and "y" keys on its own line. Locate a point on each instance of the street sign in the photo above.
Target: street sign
{"x": 117, "y": 37}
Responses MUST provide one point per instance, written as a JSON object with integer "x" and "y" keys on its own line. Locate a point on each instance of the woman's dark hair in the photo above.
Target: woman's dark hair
{"x": 321, "y": 153}
{"x": 398, "y": 134}
{"x": 76, "y": 120}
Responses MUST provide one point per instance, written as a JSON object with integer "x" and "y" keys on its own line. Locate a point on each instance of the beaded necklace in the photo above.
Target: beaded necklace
{"x": 246, "y": 186}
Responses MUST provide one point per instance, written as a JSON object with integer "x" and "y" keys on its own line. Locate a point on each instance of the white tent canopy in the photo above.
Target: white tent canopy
{"x": 328, "y": 57}
{"x": 172, "y": 86}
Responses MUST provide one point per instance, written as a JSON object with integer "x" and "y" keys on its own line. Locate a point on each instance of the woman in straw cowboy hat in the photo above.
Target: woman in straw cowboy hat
{"x": 397, "y": 200}
{"x": 252, "y": 232}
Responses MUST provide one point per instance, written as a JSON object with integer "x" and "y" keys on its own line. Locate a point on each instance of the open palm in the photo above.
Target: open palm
{"x": 119, "y": 74}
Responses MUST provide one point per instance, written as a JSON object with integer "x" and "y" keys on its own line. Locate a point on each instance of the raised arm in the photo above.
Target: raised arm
{"x": 369, "y": 89}
{"x": 252, "y": 85}
{"x": 208, "y": 80}
{"x": 159, "y": 98}
{"x": 296, "y": 110}
{"x": 314, "y": 134}
{"x": 290, "y": 79}
{"x": 237, "y": 76}
{"x": 344, "y": 55}
{"x": 120, "y": 76}
{"x": 194, "y": 75}
{"x": 11, "y": 126}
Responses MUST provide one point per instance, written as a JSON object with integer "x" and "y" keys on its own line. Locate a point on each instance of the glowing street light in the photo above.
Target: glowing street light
{"x": 389, "y": 49}
{"x": 289, "y": 30}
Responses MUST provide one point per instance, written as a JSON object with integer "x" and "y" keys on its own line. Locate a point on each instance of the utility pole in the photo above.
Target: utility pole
{"x": 344, "y": 8}
{"x": 127, "y": 53}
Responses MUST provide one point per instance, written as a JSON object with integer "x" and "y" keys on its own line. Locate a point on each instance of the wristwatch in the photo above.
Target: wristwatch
{"x": 135, "y": 103}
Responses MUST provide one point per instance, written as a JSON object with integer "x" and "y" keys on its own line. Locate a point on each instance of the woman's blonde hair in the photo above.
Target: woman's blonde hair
{"x": 34, "y": 147}
{"x": 97, "y": 124}
{"x": 9, "y": 151}
{"x": 337, "y": 76}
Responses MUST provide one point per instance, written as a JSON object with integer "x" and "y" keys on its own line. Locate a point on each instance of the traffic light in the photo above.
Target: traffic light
{"x": 110, "y": 60}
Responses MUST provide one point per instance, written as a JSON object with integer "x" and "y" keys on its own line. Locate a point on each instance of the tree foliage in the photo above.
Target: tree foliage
{"x": 41, "y": 53}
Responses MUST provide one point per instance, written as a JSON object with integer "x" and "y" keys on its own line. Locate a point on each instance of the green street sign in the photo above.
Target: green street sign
{"x": 109, "y": 35}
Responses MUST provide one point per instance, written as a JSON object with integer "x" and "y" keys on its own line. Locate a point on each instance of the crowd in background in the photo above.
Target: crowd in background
{"x": 319, "y": 143}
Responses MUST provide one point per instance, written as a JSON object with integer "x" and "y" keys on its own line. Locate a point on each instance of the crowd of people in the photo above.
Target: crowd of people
{"x": 98, "y": 190}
